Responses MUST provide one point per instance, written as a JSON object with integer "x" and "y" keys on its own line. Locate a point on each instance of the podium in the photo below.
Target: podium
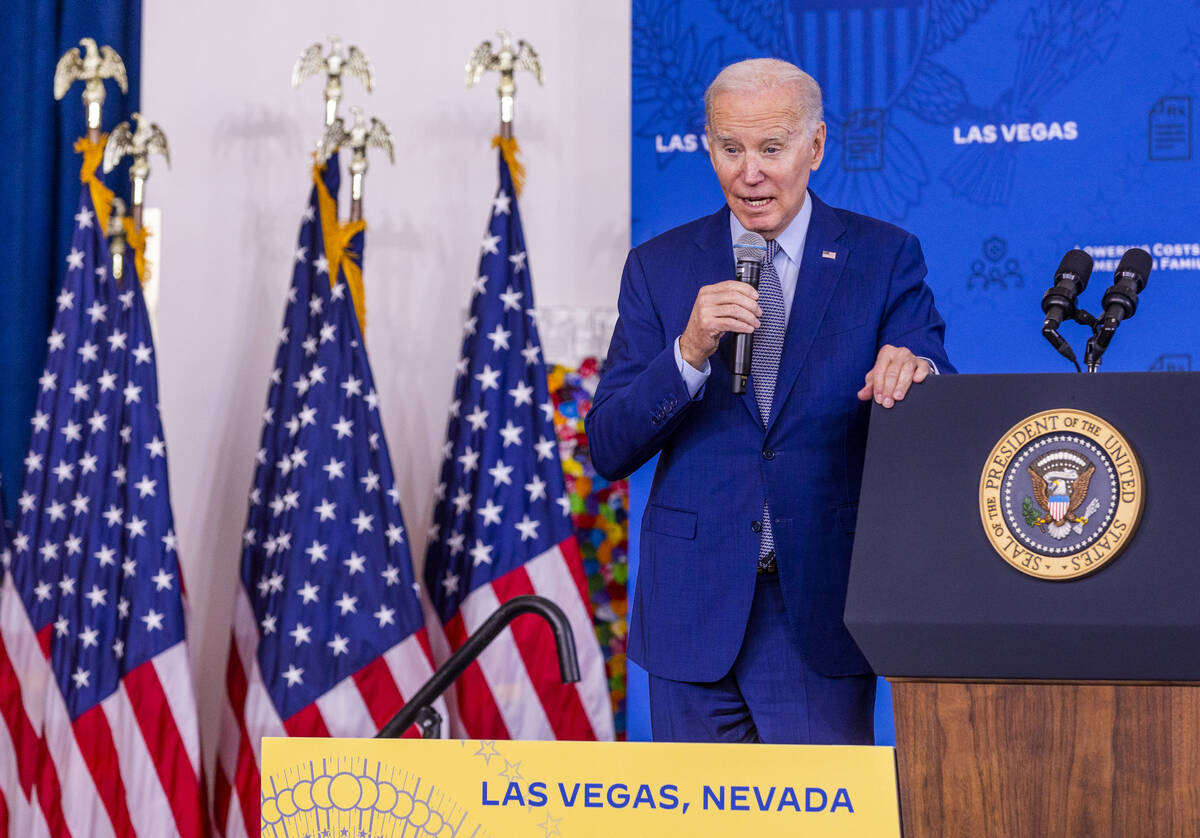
{"x": 1026, "y": 706}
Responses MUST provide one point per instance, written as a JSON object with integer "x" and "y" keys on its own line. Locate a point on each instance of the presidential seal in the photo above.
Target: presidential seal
{"x": 1061, "y": 494}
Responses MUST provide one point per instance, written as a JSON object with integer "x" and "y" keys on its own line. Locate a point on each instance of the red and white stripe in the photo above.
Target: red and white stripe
{"x": 129, "y": 766}
{"x": 1058, "y": 509}
{"x": 514, "y": 690}
{"x": 19, "y": 748}
{"x": 358, "y": 705}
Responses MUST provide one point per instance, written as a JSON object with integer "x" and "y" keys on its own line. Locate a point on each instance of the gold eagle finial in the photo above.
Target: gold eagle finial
{"x": 507, "y": 61}
{"x": 352, "y": 62}
{"x": 91, "y": 67}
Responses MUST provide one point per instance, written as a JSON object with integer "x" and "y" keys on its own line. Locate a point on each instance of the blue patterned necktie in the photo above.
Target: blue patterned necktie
{"x": 764, "y": 367}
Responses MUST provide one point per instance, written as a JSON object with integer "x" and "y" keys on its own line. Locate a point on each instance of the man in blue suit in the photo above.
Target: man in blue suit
{"x": 747, "y": 535}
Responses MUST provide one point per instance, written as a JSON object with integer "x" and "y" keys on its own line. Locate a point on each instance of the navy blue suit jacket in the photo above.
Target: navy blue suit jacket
{"x": 861, "y": 286}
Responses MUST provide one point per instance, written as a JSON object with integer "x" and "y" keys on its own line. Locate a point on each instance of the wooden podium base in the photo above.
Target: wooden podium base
{"x": 1014, "y": 759}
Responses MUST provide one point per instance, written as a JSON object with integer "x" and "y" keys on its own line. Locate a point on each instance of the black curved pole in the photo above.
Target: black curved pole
{"x": 419, "y": 708}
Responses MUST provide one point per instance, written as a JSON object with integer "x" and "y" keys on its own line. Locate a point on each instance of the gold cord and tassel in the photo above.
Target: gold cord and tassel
{"x": 509, "y": 150}
{"x": 102, "y": 196}
{"x": 102, "y": 200}
{"x": 337, "y": 238}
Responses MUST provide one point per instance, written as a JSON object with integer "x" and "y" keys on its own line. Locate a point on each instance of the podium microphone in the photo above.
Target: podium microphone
{"x": 1120, "y": 300}
{"x": 1058, "y": 302}
{"x": 748, "y": 252}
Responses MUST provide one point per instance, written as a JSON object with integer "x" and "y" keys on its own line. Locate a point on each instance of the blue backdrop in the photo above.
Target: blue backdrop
{"x": 1001, "y": 134}
{"x": 40, "y": 190}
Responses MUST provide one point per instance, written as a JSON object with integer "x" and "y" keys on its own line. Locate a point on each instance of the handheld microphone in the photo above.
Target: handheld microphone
{"x": 1058, "y": 302}
{"x": 748, "y": 251}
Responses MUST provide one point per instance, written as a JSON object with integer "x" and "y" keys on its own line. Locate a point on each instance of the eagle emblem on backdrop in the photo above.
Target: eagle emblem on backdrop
{"x": 1056, "y": 42}
{"x": 671, "y": 69}
{"x": 878, "y": 65}
{"x": 872, "y": 60}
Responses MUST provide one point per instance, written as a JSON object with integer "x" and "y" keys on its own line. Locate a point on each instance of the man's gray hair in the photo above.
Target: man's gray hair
{"x": 763, "y": 73}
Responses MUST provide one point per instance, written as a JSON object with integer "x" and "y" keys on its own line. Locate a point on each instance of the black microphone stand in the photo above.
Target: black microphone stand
{"x": 1102, "y": 333}
{"x": 419, "y": 709}
{"x": 1120, "y": 303}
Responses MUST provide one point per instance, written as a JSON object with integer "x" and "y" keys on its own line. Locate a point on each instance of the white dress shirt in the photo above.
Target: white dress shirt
{"x": 787, "y": 265}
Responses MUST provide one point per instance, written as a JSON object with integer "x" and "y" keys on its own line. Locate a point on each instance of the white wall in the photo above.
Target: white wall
{"x": 215, "y": 76}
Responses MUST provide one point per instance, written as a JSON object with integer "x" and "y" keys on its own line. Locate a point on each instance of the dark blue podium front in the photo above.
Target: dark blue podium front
{"x": 930, "y": 598}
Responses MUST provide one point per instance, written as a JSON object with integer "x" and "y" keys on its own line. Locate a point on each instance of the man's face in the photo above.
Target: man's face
{"x": 761, "y": 156}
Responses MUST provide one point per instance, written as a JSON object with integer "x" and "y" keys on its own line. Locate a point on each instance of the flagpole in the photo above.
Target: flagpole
{"x": 116, "y": 238}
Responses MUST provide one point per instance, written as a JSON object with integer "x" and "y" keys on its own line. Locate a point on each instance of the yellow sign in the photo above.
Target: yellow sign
{"x": 371, "y": 788}
{"x": 1061, "y": 494}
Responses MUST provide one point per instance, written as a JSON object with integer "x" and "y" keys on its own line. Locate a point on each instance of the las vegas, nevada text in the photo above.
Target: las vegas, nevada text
{"x": 666, "y": 797}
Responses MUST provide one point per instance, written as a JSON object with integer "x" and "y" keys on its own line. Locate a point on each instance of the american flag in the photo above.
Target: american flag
{"x": 8, "y": 763}
{"x": 501, "y": 525}
{"x": 328, "y": 634}
{"x": 100, "y": 735}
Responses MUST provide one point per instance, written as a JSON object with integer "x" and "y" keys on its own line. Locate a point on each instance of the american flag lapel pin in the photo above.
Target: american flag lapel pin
{"x": 828, "y": 254}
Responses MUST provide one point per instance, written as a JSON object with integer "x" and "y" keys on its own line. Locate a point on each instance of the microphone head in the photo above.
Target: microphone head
{"x": 750, "y": 247}
{"x": 1077, "y": 263}
{"x": 1069, "y": 281}
{"x": 1135, "y": 265}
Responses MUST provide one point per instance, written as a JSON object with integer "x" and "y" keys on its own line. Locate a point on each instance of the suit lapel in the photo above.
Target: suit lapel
{"x": 819, "y": 275}
{"x": 716, "y": 265}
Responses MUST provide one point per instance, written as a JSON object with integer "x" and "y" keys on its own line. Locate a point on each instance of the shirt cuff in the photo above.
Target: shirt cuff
{"x": 932, "y": 366}
{"x": 694, "y": 378}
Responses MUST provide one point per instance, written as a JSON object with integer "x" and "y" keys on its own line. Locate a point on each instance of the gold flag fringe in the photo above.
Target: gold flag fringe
{"x": 509, "y": 150}
{"x": 337, "y": 238}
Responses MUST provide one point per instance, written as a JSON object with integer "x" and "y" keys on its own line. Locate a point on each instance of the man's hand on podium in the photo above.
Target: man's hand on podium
{"x": 895, "y": 370}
